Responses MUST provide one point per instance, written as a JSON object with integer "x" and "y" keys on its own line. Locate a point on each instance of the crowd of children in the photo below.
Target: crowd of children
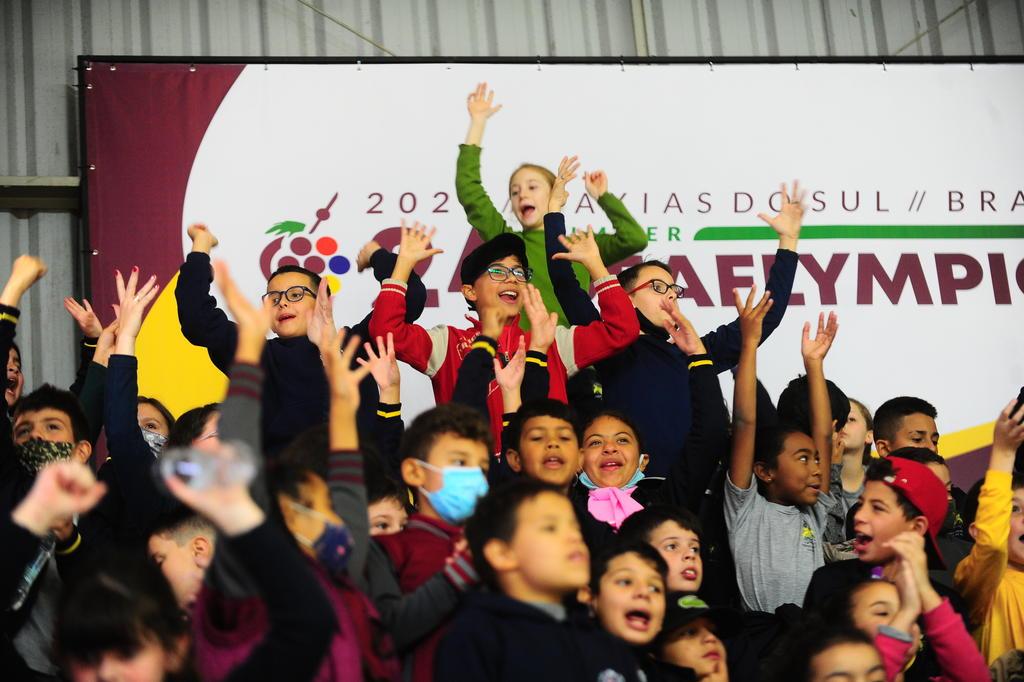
{"x": 579, "y": 505}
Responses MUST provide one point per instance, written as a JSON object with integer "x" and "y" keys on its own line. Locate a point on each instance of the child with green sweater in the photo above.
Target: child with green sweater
{"x": 529, "y": 188}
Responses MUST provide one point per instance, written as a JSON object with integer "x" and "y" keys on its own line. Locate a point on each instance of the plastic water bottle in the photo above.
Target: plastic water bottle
{"x": 233, "y": 464}
{"x": 28, "y": 578}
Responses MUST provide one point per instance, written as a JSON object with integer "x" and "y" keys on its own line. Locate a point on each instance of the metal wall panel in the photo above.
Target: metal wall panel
{"x": 41, "y": 39}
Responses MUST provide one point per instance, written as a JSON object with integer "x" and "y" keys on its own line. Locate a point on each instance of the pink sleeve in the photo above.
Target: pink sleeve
{"x": 955, "y": 650}
{"x": 895, "y": 654}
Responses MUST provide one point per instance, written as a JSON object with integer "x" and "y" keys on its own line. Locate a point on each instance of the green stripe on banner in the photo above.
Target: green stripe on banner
{"x": 716, "y": 234}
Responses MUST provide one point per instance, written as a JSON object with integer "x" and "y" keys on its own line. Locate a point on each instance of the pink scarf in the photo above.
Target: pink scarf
{"x": 612, "y": 505}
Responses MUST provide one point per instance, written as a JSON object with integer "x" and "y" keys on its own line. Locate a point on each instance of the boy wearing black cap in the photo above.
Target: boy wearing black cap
{"x": 899, "y": 496}
{"x": 690, "y": 644}
{"x": 494, "y": 278}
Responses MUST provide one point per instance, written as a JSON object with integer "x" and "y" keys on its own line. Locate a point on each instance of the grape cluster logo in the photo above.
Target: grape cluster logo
{"x": 293, "y": 245}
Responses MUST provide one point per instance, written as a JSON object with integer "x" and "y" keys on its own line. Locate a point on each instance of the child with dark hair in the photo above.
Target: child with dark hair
{"x": 675, "y": 532}
{"x": 991, "y": 578}
{"x": 794, "y": 404}
{"x": 387, "y": 500}
{"x": 777, "y": 493}
{"x": 417, "y": 576}
{"x": 302, "y": 312}
{"x": 905, "y": 422}
{"x": 182, "y": 544}
{"x": 653, "y": 372}
{"x": 493, "y": 277}
{"x": 529, "y": 189}
{"x": 527, "y": 547}
{"x": 690, "y": 644}
{"x": 627, "y": 593}
{"x": 196, "y": 427}
{"x": 823, "y": 652}
{"x": 541, "y": 442}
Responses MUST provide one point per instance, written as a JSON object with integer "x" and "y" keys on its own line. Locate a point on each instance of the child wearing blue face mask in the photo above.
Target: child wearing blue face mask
{"x": 612, "y": 486}
{"x": 445, "y": 454}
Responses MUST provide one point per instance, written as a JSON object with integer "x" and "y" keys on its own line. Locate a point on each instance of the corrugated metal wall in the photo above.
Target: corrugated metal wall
{"x": 41, "y": 39}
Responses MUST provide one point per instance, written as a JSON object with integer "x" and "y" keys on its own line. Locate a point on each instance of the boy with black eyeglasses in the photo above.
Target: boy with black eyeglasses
{"x": 654, "y": 371}
{"x": 296, "y": 395}
{"x": 495, "y": 279}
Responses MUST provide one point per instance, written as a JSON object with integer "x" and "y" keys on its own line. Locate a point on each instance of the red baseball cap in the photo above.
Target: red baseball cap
{"x": 924, "y": 490}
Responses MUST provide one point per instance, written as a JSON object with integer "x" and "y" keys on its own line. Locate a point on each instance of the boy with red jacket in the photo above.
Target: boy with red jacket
{"x": 494, "y": 278}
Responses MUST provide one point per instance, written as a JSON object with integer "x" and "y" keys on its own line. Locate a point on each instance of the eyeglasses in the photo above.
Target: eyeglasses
{"x": 660, "y": 287}
{"x": 499, "y": 273}
{"x": 292, "y": 294}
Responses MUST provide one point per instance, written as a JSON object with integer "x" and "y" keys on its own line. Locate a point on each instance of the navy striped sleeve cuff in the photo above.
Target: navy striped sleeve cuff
{"x": 345, "y": 466}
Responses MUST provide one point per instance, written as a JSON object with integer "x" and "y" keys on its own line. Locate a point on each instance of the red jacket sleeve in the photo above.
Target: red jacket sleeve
{"x": 413, "y": 344}
{"x": 582, "y": 346}
{"x": 955, "y": 650}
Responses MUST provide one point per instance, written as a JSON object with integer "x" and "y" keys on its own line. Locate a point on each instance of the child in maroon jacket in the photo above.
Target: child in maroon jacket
{"x": 445, "y": 455}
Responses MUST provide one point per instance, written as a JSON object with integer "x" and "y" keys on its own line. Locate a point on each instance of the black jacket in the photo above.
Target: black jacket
{"x": 495, "y": 638}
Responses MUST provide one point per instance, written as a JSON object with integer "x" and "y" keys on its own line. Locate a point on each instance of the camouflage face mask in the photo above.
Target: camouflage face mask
{"x": 36, "y": 453}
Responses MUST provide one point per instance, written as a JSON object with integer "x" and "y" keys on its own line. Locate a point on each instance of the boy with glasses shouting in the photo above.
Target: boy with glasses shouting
{"x": 296, "y": 395}
{"x": 495, "y": 283}
{"x": 655, "y": 369}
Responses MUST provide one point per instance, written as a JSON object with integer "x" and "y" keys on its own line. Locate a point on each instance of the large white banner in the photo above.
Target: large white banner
{"x": 914, "y": 232}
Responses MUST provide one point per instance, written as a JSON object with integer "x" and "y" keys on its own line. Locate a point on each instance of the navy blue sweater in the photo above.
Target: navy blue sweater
{"x": 495, "y": 637}
{"x": 296, "y": 395}
{"x": 649, "y": 379}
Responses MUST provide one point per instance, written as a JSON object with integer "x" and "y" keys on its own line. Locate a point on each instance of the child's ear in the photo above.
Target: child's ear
{"x": 645, "y": 459}
{"x": 468, "y": 292}
{"x": 763, "y": 472}
{"x": 202, "y": 551}
{"x": 919, "y": 524}
{"x": 869, "y": 437}
{"x": 585, "y": 596}
{"x": 500, "y": 556}
{"x": 882, "y": 447}
{"x": 973, "y": 530}
{"x": 412, "y": 473}
{"x": 515, "y": 463}
{"x": 82, "y": 452}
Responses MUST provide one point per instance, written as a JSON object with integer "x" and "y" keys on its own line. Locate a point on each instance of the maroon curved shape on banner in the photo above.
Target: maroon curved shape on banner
{"x": 143, "y": 127}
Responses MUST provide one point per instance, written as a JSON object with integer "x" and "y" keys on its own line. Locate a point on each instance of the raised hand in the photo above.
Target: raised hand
{"x": 1009, "y": 432}
{"x": 787, "y": 221}
{"x": 133, "y": 301}
{"x": 815, "y": 350}
{"x": 582, "y": 247}
{"x": 566, "y": 171}
{"x": 542, "y": 323}
{"x": 909, "y": 547}
{"x": 84, "y": 315}
{"x": 510, "y": 377}
{"x": 253, "y": 320}
{"x": 363, "y": 257}
{"x": 106, "y": 340}
{"x": 26, "y": 271}
{"x": 415, "y": 244}
{"x": 596, "y": 183}
{"x": 751, "y": 314}
{"x": 60, "y": 490}
{"x": 681, "y": 330}
{"x": 480, "y": 103}
{"x": 383, "y": 364}
{"x": 910, "y": 596}
{"x": 320, "y": 320}
{"x": 341, "y": 376}
{"x": 203, "y": 240}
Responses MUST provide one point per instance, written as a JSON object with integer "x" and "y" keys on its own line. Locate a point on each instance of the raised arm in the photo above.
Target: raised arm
{"x": 477, "y": 371}
{"x": 618, "y": 327}
{"x": 724, "y": 342}
{"x": 708, "y": 439}
{"x": 89, "y": 324}
{"x": 814, "y": 352}
{"x": 575, "y": 301}
{"x": 744, "y": 407}
{"x": 413, "y": 344}
{"x": 627, "y": 236}
{"x": 202, "y": 322}
{"x": 345, "y": 461}
{"x": 481, "y": 213}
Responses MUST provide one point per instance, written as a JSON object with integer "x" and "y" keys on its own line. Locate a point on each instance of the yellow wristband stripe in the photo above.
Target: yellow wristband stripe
{"x": 73, "y": 547}
{"x": 88, "y": 345}
{"x": 389, "y": 415}
{"x": 9, "y": 317}
{"x": 537, "y": 361}
{"x": 486, "y": 346}
{"x": 699, "y": 363}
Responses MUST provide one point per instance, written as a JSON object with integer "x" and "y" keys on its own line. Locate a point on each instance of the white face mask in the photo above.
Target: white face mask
{"x": 154, "y": 440}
